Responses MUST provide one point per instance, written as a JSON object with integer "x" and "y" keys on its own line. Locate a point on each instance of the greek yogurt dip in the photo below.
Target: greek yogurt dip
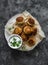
{"x": 15, "y": 41}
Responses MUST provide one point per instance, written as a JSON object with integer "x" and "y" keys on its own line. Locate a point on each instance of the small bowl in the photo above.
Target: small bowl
{"x": 17, "y": 37}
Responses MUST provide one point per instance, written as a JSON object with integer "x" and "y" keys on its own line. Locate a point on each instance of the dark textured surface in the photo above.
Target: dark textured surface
{"x": 39, "y": 9}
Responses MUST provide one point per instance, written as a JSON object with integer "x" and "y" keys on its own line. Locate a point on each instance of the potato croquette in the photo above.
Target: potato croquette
{"x": 31, "y": 42}
{"x": 24, "y": 37}
{"x": 17, "y": 30}
{"x": 34, "y": 31}
{"x": 31, "y": 21}
{"x": 27, "y": 30}
{"x": 19, "y": 20}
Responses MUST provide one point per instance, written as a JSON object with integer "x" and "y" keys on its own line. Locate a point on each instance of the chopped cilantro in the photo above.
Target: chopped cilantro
{"x": 9, "y": 28}
{"x": 15, "y": 43}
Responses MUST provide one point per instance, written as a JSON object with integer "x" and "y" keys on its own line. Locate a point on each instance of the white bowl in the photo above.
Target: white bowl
{"x": 14, "y": 35}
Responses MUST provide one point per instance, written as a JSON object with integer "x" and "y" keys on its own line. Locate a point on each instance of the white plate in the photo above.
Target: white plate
{"x": 12, "y": 21}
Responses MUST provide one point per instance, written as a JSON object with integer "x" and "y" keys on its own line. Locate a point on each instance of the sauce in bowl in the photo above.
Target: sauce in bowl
{"x": 15, "y": 41}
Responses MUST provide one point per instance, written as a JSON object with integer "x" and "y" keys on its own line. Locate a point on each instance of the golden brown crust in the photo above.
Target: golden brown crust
{"x": 24, "y": 37}
{"x": 19, "y": 20}
{"x": 17, "y": 30}
{"x": 27, "y": 30}
{"x": 34, "y": 30}
{"x": 31, "y": 21}
{"x": 31, "y": 41}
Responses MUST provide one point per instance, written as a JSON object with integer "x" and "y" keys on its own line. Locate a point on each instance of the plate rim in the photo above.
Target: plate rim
{"x": 6, "y": 33}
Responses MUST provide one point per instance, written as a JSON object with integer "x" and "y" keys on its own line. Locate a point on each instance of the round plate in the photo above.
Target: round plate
{"x": 12, "y": 21}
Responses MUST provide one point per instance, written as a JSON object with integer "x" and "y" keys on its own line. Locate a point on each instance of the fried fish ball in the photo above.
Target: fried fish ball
{"x": 31, "y": 21}
{"x": 34, "y": 31}
{"x": 31, "y": 42}
{"x": 24, "y": 37}
{"x": 19, "y": 20}
{"x": 27, "y": 30}
{"x": 17, "y": 30}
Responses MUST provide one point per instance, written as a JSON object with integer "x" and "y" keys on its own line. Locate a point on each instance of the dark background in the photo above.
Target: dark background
{"x": 39, "y": 9}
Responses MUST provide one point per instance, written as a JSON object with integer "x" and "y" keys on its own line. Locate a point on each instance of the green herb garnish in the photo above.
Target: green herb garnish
{"x": 9, "y": 28}
{"x": 14, "y": 39}
{"x": 23, "y": 47}
{"x": 19, "y": 42}
{"x": 15, "y": 43}
{"x": 12, "y": 27}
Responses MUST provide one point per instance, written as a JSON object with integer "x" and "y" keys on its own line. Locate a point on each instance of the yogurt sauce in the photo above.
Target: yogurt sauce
{"x": 15, "y": 41}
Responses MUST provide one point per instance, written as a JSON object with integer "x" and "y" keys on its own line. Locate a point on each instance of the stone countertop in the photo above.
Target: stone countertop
{"x": 39, "y": 9}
